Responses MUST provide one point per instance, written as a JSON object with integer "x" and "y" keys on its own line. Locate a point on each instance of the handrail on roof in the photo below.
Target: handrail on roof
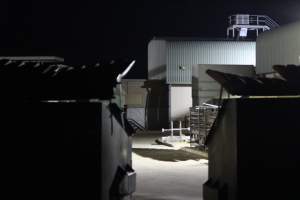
{"x": 244, "y": 22}
{"x": 246, "y": 19}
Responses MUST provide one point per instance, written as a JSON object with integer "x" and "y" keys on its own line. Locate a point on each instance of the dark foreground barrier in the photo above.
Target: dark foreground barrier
{"x": 253, "y": 150}
{"x": 65, "y": 142}
{"x": 254, "y": 143}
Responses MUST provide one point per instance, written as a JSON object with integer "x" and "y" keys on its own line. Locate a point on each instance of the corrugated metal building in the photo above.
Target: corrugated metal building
{"x": 182, "y": 55}
{"x": 279, "y": 46}
{"x": 175, "y": 59}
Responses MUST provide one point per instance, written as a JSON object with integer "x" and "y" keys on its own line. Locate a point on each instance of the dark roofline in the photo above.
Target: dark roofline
{"x": 34, "y": 58}
{"x": 201, "y": 39}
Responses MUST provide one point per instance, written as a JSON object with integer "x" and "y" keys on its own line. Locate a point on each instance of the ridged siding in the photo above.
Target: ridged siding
{"x": 189, "y": 53}
{"x": 278, "y": 47}
{"x": 157, "y": 59}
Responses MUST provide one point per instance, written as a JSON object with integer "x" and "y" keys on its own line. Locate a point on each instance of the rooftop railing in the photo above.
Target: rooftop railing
{"x": 259, "y": 20}
{"x": 242, "y": 23}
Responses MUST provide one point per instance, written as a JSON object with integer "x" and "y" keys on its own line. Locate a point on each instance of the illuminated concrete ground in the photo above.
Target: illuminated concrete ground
{"x": 166, "y": 173}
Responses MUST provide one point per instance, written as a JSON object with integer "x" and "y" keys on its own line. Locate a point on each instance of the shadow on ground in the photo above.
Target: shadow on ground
{"x": 167, "y": 154}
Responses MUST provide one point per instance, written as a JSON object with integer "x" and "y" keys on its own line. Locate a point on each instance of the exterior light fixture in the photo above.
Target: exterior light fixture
{"x": 181, "y": 67}
{"x": 243, "y": 32}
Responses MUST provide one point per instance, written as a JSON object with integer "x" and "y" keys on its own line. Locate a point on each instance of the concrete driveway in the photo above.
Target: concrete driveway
{"x": 166, "y": 173}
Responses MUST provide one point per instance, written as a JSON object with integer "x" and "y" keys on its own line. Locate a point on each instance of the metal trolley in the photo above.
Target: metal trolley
{"x": 201, "y": 119}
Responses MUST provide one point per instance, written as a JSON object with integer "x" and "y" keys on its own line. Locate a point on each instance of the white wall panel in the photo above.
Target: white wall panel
{"x": 180, "y": 101}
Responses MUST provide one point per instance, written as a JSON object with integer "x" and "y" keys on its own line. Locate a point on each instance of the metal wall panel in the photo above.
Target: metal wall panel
{"x": 206, "y": 88}
{"x": 157, "y": 59}
{"x": 133, "y": 93}
{"x": 182, "y": 55}
{"x": 180, "y": 102}
{"x": 280, "y": 46}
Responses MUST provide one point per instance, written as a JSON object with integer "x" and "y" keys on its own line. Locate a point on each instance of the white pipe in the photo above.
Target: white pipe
{"x": 211, "y": 105}
{"x": 180, "y": 127}
{"x": 175, "y": 129}
{"x": 120, "y": 76}
{"x": 172, "y": 129}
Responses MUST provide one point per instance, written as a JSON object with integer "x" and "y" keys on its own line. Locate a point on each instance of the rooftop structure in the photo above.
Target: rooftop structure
{"x": 242, "y": 23}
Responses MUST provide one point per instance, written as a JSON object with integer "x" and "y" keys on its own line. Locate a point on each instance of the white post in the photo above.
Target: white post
{"x": 171, "y": 128}
{"x": 180, "y": 128}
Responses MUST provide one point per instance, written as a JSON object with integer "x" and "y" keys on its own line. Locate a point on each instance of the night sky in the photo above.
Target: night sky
{"x": 88, "y": 30}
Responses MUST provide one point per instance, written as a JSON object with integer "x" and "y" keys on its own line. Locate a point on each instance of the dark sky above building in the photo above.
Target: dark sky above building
{"x": 87, "y": 30}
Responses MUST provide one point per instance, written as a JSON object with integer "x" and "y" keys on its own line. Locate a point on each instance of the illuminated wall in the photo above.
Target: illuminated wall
{"x": 171, "y": 60}
{"x": 180, "y": 102}
{"x": 280, "y": 46}
{"x": 135, "y": 98}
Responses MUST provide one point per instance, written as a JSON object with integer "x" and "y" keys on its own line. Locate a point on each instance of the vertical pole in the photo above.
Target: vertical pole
{"x": 171, "y": 128}
{"x": 180, "y": 129}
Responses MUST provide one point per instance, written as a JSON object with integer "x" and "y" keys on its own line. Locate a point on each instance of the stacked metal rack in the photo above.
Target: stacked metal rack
{"x": 201, "y": 119}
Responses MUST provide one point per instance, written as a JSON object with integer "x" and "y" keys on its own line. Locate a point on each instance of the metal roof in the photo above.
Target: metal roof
{"x": 170, "y": 38}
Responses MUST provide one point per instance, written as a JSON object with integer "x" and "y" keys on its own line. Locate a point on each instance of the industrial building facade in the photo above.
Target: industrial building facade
{"x": 178, "y": 61}
{"x": 237, "y": 168}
